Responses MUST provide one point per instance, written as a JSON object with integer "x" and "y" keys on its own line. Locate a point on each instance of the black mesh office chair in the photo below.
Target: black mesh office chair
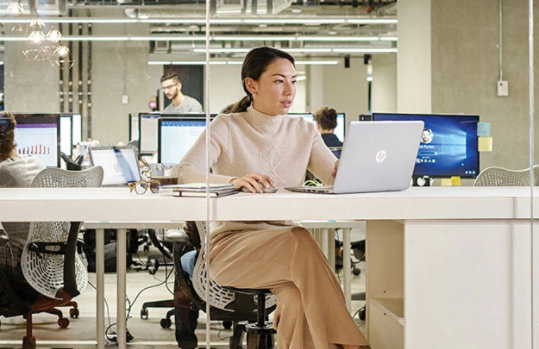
{"x": 239, "y": 307}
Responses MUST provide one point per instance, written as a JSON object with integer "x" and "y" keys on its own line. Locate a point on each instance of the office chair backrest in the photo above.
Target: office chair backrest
{"x": 47, "y": 272}
{"x": 501, "y": 177}
{"x": 219, "y": 297}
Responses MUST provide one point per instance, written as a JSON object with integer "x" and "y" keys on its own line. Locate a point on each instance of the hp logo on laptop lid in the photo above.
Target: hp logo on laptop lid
{"x": 381, "y": 155}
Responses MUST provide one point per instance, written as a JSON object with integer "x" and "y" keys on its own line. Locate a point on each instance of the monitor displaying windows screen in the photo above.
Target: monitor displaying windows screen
{"x": 448, "y": 144}
{"x": 66, "y": 134}
{"x": 339, "y": 130}
{"x": 177, "y": 136}
{"x": 39, "y": 135}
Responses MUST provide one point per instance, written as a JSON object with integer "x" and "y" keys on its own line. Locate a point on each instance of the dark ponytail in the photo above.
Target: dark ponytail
{"x": 240, "y": 106}
{"x": 255, "y": 63}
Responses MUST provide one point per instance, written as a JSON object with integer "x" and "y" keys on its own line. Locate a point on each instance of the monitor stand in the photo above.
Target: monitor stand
{"x": 421, "y": 181}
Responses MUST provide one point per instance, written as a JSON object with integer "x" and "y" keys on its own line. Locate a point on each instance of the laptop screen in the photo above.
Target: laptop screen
{"x": 120, "y": 165}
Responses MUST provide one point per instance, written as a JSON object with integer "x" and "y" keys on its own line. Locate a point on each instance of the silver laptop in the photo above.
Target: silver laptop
{"x": 120, "y": 165}
{"x": 376, "y": 156}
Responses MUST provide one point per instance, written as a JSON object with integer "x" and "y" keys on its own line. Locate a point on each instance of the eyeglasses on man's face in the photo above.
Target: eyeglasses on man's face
{"x": 168, "y": 87}
{"x": 141, "y": 187}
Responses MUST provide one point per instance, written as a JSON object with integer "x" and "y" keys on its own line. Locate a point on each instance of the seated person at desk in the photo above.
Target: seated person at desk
{"x": 16, "y": 171}
{"x": 258, "y": 142}
{"x": 326, "y": 121}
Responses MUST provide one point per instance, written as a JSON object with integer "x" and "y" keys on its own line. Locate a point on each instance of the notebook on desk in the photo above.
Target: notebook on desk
{"x": 120, "y": 165}
{"x": 376, "y": 156}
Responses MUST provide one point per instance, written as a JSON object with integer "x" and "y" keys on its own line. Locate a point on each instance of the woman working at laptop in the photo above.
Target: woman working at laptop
{"x": 257, "y": 144}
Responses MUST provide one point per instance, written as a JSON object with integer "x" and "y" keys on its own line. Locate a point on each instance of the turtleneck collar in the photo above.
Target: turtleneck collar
{"x": 263, "y": 122}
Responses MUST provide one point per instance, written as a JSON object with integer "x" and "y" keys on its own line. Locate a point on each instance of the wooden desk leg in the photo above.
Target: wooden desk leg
{"x": 347, "y": 268}
{"x": 121, "y": 266}
{"x": 100, "y": 287}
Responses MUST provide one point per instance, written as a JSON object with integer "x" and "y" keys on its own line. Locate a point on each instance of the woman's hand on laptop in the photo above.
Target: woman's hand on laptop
{"x": 334, "y": 172}
{"x": 251, "y": 181}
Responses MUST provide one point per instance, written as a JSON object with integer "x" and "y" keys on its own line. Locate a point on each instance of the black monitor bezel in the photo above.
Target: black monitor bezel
{"x": 177, "y": 117}
{"x": 56, "y": 116}
{"x": 373, "y": 116}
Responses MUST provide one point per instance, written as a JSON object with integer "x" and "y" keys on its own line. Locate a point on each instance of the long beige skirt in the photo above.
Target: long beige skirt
{"x": 311, "y": 311}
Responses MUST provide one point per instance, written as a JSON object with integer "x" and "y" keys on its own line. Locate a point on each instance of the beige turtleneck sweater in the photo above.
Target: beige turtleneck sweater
{"x": 280, "y": 146}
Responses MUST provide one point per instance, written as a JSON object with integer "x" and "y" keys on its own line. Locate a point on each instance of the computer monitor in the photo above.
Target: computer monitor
{"x": 66, "y": 134}
{"x": 133, "y": 126}
{"x": 341, "y": 124}
{"x": 147, "y": 126}
{"x": 39, "y": 135}
{"x": 77, "y": 128}
{"x": 448, "y": 147}
{"x": 177, "y": 135}
{"x": 120, "y": 164}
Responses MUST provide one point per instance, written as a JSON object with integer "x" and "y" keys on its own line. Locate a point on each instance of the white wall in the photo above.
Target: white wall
{"x": 30, "y": 86}
{"x": 346, "y": 89}
{"x": 384, "y": 83}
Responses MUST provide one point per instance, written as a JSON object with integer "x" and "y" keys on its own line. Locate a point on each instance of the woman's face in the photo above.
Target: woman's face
{"x": 274, "y": 92}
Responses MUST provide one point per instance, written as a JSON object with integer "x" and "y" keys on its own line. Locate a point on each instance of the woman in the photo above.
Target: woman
{"x": 15, "y": 171}
{"x": 258, "y": 143}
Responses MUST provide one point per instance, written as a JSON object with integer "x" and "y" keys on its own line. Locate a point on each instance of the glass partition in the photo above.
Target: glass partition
{"x": 107, "y": 62}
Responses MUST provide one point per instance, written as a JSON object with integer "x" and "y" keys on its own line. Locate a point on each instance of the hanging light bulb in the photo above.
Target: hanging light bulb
{"x": 15, "y": 8}
{"x": 53, "y": 35}
{"x": 62, "y": 50}
{"x": 36, "y": 36}
{"x": 37, "y": 23}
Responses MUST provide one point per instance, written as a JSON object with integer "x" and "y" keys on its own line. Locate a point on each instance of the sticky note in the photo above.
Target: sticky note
{"x": 455, "y": 180}
{"x": 484, "y": 143}
{"x": 483, "y": 129}
{"x": 446, "y": 182}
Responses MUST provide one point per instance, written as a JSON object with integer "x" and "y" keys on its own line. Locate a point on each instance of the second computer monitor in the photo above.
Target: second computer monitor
{"x": 449, "y": 145}
{"x": 177, "y": 135}
{"x": 39, "y": 135}
{"x": 339, "y": 130}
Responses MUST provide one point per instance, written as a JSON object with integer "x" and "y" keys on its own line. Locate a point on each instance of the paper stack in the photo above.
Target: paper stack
{"x": 199, "y": 189}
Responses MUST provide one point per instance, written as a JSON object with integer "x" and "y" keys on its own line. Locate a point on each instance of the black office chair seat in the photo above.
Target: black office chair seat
{"x": 260, "y": 335}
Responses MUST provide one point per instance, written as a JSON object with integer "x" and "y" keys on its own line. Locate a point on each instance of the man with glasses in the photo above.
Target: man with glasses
{"x": 180, "y": 103}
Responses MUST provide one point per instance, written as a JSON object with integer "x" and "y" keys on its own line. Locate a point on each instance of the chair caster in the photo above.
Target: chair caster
{"x": 356, "y": 271}
{"x": 144, "y": 314}
{"x": 362, "y": 314}
{"x": 63, "y": 322}
{"x": 165, "y": 323}
{"x": 29, "y": 343}
{"x": 152, "y": 266}
{"x": 74, "y": 313}
{"x": 227, "y": 325}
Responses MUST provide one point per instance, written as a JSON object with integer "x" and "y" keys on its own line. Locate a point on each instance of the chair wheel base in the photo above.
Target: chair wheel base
{"x": 29, "y": 342}
{"x": 260, "y": 337}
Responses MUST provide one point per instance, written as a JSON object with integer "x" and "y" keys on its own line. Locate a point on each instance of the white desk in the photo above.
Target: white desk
{"x": 447, "y": 267}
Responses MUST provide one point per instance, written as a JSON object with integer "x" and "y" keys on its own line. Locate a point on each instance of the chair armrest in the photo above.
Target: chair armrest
{"x": 70, "y": 279}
